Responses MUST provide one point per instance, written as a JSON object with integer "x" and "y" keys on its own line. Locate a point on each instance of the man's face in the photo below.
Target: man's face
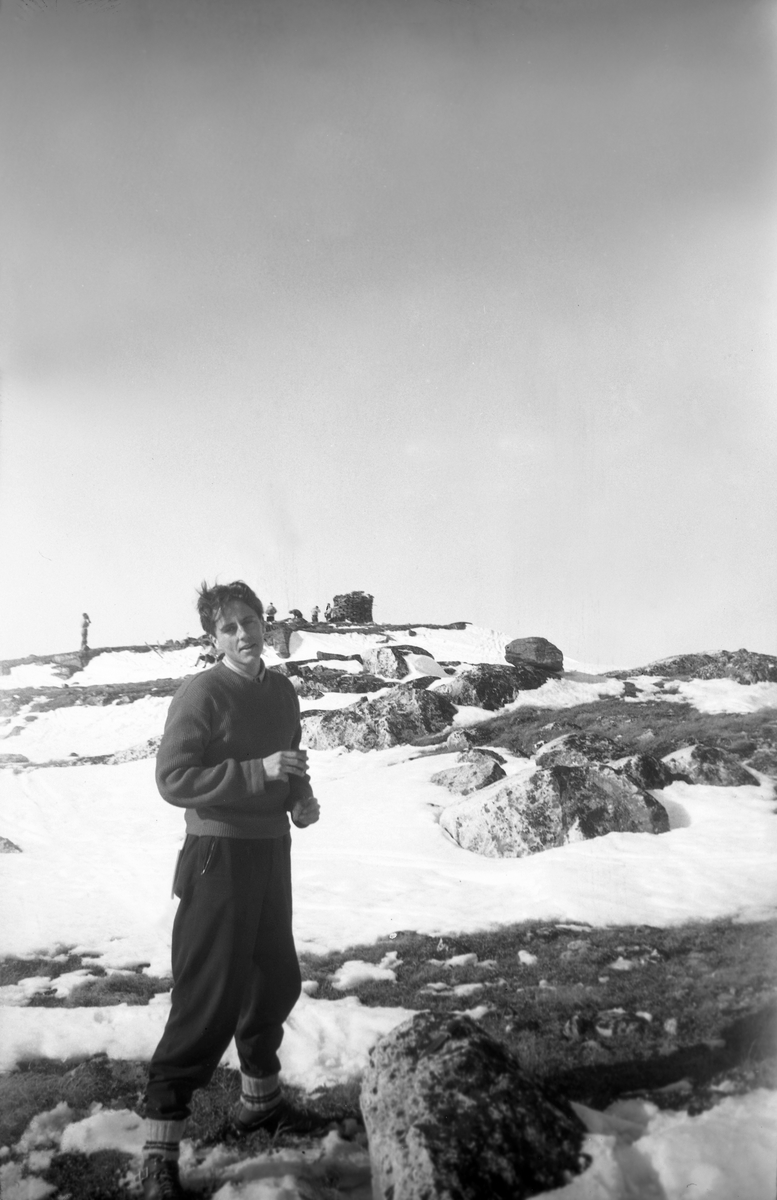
{"x": 239, "y": 636}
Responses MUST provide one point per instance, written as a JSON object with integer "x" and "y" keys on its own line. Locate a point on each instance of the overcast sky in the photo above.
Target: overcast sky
{"x": 467, "y": 303}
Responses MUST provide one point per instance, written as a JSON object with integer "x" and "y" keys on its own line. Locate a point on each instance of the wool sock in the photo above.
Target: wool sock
{"x": 163, "y": 1139}
{"x": 258, "y": 1097}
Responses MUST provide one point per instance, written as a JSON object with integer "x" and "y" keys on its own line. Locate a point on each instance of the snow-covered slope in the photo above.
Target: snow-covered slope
{"x": 98, "y": 846}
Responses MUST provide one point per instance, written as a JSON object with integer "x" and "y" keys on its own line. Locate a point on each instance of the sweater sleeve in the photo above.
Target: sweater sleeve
{"x": 182, "y": 777}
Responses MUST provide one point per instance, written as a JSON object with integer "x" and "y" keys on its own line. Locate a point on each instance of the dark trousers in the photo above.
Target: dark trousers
{"x": 235, "y": 968}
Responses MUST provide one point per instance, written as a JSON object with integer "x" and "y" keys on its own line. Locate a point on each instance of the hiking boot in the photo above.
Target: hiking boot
{"x": 161, "y": 1180}
{"x": 284, "y": 1118}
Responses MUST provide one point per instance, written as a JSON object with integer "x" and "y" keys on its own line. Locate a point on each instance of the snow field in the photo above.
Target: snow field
{"x": 98, "y": 851}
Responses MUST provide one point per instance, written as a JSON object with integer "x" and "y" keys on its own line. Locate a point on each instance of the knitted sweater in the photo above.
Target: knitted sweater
{"x": 219, "y": 728}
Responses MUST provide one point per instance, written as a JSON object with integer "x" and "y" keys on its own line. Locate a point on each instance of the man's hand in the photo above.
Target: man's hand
{"x": 285, "y": 763}
{"x": 305, "y": 812}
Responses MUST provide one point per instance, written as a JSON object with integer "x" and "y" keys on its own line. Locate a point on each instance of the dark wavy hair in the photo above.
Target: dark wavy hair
{"x": 211, "y": 600}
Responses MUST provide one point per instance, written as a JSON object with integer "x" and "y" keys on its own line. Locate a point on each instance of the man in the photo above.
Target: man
{"x": 230, "y": 758}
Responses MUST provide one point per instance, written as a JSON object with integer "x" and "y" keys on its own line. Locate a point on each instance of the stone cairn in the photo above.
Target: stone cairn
{"x": 352, "y": 606}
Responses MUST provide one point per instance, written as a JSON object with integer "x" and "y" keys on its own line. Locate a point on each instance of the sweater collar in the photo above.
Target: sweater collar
{"x": 233, "y": 671}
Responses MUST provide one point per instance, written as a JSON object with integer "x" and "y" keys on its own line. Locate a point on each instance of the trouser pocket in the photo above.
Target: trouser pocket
{"x": 195, "y": 859}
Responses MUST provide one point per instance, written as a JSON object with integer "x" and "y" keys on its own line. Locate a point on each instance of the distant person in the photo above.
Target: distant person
{"x": 207, "y": 657}
{"x": 270, "y": 612}
{"x": 296, "y": 614}
{"x": 230, "y": 758}
{"x": 314, "y": 615}
{"x": 85, "y": 623}
{"x": 328, "y": 612}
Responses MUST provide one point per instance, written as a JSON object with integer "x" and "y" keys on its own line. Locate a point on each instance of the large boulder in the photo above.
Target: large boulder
{"x": 577, "y": 750}
{"x": 491, "y": 685}
{"x": 647, "y": 771}
{"x": 536, "y": 650}
{"x": 329, "y": 680}
{"x": 473, "y": 772}
{"x": 385, "y": 661}
{"x": 451, "y": 1115}
{"x": 744, "y": 666}
{"x": 355, "y": 607}
{"x": 521, "y": 816}
{"x": 711, "y": 764}
{"x": 277, "y": 636}
{"x": 397, "y": 719}
{"x": 391, "y": 661}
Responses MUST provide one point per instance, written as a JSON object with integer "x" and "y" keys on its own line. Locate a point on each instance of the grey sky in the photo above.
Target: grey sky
{"x": 467, "y": 303}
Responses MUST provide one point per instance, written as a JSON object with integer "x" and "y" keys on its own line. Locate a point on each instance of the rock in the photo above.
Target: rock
{"x": 457, "y": 740}
{"x": 710, "y": 764}
{"x": 420, "y": 683}
{"x": 467, "y": 755}
{"x": 450, "y": 1114}
{"x": 329, "y": 680}
{"x": 9, "y": 847}
{"x": 744, "y": 666}
{"x": 647, "y": 771}
{"x": 577, "y": 750}
{"x": 6, "y": 759}
{"x": 393, "y": 720}
{"x": 536, "y": 650}
{"x": 355, "y": 607}
{"x": 328, "y": 656}
{"x": 491, "y": 685}
{"x": 386, "y": 661}
{"x": 475, "y": 772}
{"x": 518, "y": 817}
{"x": 309, "y": 689}
{"x": 277, "y": 636}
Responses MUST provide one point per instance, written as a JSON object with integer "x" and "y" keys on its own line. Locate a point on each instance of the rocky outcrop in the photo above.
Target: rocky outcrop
{"x": 329, "y": 680}
{"x": 352, "y": 606}
{"x": 393, "y": 720}
{"x": 386, "y": 661}
{"x": 577, "y": 750}
{"x": 581, "y": 749}
{"x": 451, "y": 1115}
{"x": 474, "y": 771}
{"x": 744, "y": 666}
{"x": 518, "y": 817}
{"x": 46, "y": 699}
{"x": 710, "y": 764}
{"x": 647, "y": 771}
{"x": 9, "y": 847}
{"x": 390, "y": 661}
{"x": 277, "y": 636}
{"x": 491, "y": 685}
{"x": 536, "y": 650}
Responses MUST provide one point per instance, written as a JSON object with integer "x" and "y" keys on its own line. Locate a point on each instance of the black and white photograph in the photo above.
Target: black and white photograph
{"x": 388, "y": 671}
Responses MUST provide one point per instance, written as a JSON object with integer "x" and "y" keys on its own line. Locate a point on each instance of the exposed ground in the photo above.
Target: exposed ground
{"x": 682, "y": 1016}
